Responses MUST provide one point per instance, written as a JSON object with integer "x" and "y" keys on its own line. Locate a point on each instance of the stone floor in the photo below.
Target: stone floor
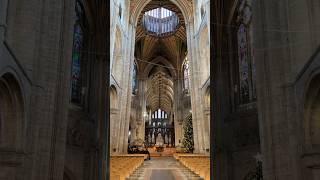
{"x": 163, "y": 168}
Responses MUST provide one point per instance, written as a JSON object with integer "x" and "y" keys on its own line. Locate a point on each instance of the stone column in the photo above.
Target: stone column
{"x": 3, "y": 18}
{"x": 114, "y": 118}
{"x": 179, "y": 132}
{"x": 140, "y": 128}
{"x": 207, "y": 128}
{"x": 143, "y": 103}
{"x": 193, "y": 74}
{"x": 134, "y": 130}
{"x": 177, "y": 107}
{"x": 128, "y": 65}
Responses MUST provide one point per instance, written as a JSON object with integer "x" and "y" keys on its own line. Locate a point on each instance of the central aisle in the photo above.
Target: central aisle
{"x": 163, "y": 168}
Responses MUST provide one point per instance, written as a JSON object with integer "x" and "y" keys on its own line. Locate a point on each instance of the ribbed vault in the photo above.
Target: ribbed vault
{"x": 160, "y": 91}
{"x": 160, "y": 55}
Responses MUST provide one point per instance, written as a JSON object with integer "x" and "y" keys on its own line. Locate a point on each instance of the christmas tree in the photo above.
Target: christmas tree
{"x": 188, "y": 135}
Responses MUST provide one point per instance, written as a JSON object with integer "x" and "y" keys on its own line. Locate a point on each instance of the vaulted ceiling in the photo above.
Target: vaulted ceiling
{"x": 160, "y": 91}
{"x": 171, "y": 47}
{"x": 149, "y": 47}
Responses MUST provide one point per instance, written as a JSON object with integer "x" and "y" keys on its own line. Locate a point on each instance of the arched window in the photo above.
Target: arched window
{"x": 159, "y": 113}
{"x": 243, "y": 64}
{"x": 120, "y": 11}
{"x": 134, "y": 79}
{"x": 186, "y": 75}
{"x": 76, "y": 59}
{"x": 247, "y": 87}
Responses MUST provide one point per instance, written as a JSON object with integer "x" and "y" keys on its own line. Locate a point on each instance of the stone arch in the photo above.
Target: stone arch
{"x": 184, "y": 6}
{"x": 204, "y": 49}
{"x": 117, "y": 56}
{"x": 113, "y": 97}
{"x": 311, "y": 125}
{"x": 207, "y": 97}
{"x": 312, "y": 113}
{"x": 114, "y": 118}
{"x": 11, "y": 112}
{"x": 307, "y": 90}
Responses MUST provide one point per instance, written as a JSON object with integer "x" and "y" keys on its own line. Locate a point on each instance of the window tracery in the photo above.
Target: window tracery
{"x": 134, "y": 79}
{"x": 247, "y": 87}
{"x": 186, "y": 75}
{"x": 76, "y": 58}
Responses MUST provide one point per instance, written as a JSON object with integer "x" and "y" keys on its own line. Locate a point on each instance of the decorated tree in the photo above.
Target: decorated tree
{"x": 188, "y": 135}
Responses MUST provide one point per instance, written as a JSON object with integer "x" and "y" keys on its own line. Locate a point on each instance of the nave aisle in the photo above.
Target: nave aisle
{"x": 163, "y": 168}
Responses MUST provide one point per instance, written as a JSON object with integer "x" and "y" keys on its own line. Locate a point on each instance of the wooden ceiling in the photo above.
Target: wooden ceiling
{"x": 160, "y": 92}
{"x": 171, "y": 47}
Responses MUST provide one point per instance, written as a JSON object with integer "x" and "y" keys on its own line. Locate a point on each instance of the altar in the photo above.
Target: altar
{"x": 159, "y": 148}
{"x": 164, "y": 152}
{"x": 159, "y": 131}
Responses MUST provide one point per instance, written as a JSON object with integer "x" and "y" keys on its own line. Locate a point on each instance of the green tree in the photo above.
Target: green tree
{"x": 187, "y": 141}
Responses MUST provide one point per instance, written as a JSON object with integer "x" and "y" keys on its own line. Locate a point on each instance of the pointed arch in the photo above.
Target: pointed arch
{"x": 11, "y": 112}
{"x": 204, "y": 44}
{"x": 114, "y": 102}
{"x": 117, "y": 64}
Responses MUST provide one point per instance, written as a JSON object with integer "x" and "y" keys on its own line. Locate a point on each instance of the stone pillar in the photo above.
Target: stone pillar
{"x": 3, "y": 18}
{"x": 178, "y": 107}
{"x": 179, "y": 132}
{"x": 193, "y": 74}
{"x": 134, "y": 128}
{"x": 143, "y": 112}
{"x": 128, "y": 86}
{"x": 140, "y": 128}
{"x": 114, "y": 118}
{"x": 207, "y": 128}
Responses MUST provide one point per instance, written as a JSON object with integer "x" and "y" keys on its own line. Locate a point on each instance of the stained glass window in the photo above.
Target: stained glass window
{"x": 76, "y": 64}
{"x": 134, "y": 79}
{"x": 247, "y": 70}
{"x": 243, "y": 63}
{"x": 159, "y": 114}
{"x": 186, "y": 75}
